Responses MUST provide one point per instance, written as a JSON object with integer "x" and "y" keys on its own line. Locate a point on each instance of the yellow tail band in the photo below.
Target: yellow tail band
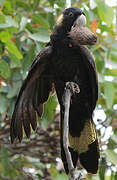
{"x": 87, "y": 137}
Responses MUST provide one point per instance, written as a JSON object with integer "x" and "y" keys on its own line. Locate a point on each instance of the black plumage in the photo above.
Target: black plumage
{"x": 65, "y": 59}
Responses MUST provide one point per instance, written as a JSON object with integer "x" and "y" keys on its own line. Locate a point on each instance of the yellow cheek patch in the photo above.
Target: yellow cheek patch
{"x": 59, "y": 20}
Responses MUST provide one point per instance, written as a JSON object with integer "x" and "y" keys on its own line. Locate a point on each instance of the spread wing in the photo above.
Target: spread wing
{"x": 34, "y": 92}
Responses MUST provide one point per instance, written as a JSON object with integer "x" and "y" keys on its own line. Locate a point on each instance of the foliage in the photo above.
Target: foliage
{"x": 25, "y": 27}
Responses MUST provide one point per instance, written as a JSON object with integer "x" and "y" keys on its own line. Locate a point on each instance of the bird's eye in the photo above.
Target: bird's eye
{"x": 71, "y": 14}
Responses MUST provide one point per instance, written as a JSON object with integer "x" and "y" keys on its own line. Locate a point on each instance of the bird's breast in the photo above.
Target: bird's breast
{"x": 71, "y": 67}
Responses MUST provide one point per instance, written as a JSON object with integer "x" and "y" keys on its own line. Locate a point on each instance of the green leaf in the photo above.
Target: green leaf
{"x": 2, "y": 19}
{"x": 49, "y": 111}
{"x": 23, "y": 23}
{"x": 111, "y": 144}
{"x": 2, "y": 26}
{"x": 103, "y": 169}
{"x": 61, "y": 177}
{"x": 55, "y": 175}
{"x": 114, "y": 138}
{"x": 23, "y": 4}
{"x": 4, "y": 158}
{"x": 9, "y": 22}
{"x": 51, "y": 20}
{"x": 61, "y": 3}
{"x": 105, "y": 12}
{"x": 110, "y": 72}
{"x": 12, "y": 92}
{"x": 115, "y": 175}
{"x": 4, "y": 69}
{"x": 14, "y": 89}
{"x": 1, "y": 48}
{"x": 113, "y": 55}
{"x": 3, "y": 104}
{"x": 28, "y": 59}
{"x": 112, "y": 156}
{"x": 99, "y": 64}
{"x": 5, "y": 36}
{"x": 109, "y": 93}
{"x": 13, "y": 49}
{"x": 15, "y": 62}
{"x": 41, "y": 36}
{"x": 11, "y": 107}
{"x": 16, "y": 75}
{"x": 38, "y": 19}
{"x": 7, "y": 8}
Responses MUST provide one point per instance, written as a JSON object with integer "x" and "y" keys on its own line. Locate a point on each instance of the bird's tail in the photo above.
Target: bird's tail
{"x": 85, "y": 147}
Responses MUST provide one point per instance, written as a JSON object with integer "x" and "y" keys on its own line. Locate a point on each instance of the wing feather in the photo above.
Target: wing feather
{"x": 90, "y": 64}
{"x": 34, "y": 92}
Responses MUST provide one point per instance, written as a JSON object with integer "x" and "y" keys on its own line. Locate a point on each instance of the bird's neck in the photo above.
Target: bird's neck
{"x": 59, "y": 37}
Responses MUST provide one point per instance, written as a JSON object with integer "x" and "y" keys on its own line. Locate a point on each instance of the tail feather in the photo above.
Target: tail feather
{"x": 87, "y": 137}
{"x": 89, "y": 159}
{"x": 85, "y": 147}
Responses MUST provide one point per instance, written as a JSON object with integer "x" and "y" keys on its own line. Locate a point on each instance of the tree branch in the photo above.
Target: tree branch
{"x": 70, "y": 89}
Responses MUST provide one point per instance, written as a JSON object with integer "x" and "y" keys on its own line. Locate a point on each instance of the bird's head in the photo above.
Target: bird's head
{"x": 69, "y": 17}
{"x": 72, "y": 25}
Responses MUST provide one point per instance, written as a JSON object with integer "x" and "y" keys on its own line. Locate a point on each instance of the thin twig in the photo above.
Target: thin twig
{"x": 68, "y": 95}
{"x": 71, "y": 88}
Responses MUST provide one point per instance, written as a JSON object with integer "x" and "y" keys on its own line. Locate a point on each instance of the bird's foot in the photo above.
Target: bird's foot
{"x": 74, "y": 88}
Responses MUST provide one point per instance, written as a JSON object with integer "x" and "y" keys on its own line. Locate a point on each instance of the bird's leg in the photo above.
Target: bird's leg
{"x": 70, "y": 89}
